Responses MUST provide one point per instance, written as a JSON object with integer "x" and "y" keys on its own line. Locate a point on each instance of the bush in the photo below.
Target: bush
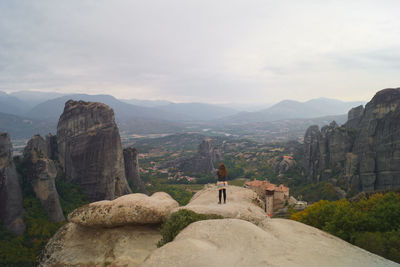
{"x": 70, "y": 195}
{"x": 178, "y": 221}
{"x": 315, "y": 191}
{"x": 373, "y": 223}
{"x": 386, "y": 244}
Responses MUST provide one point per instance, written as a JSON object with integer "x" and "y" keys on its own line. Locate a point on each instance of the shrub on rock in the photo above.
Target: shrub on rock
{"x": 178, "y": 221}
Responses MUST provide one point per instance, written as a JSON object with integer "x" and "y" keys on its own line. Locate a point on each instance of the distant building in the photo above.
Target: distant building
{"x": 274, "y": 196}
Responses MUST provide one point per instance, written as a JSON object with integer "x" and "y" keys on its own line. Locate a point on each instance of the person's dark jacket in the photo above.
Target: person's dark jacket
{"x": 221, "y": 177}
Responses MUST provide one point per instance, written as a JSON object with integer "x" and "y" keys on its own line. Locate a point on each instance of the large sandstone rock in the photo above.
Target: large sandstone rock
{"x": 132, "y": 170}
{"x": 365, "y": 151}
{"x": 11, "y": 209}
{"x": 129, "y": 209}
{"x": 241, "y": 203}
{"x": 122, "y": 232}
{"x": 89, "y": 150}
{"x": 42, "y": 172}
{"x": 75, "y": 245}
{"x": 277, "y": 242}
{"x": 203, "y": 162}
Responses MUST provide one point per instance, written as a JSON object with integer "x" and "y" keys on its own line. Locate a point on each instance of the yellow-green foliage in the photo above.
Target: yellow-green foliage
{"x": 376, "y": 218}
{"x": 178, "y": 221}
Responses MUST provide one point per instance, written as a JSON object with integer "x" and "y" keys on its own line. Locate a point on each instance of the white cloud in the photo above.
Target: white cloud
{"x": 212, "y": 51}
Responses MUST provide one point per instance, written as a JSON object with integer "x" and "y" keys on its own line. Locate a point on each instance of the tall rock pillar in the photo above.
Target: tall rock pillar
{"x": 90, "y": 150}
{"x": 11, "y": 209}
{"x": 42, "y": 172}
{"x": 132, "y": 170}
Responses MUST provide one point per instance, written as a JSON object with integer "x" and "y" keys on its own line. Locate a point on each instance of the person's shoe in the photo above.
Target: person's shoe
{"x": 219, "y": 202}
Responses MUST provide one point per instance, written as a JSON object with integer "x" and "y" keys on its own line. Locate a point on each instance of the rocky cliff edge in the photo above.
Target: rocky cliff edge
{"x": 224, "y": 242}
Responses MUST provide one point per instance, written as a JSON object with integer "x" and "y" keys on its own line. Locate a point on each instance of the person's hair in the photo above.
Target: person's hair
{"x": 222, "y": 171}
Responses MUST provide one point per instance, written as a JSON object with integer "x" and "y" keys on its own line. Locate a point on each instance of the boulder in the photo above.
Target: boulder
{"x": 241, "y": 203}
{"x": 11, "y": 208}
{"x": 90, "y": 151}
{"x": 277, "y": 242}
{"x": 75, "y": 245}
{"x": 129, "y": 209}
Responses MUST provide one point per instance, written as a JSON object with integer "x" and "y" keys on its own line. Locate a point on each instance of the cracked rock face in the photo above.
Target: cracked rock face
{"x": 365, "y": 151}
{"x": 11, "y": 209}
{"x": 90, "y": 151}
{"x": 42, "y": 172}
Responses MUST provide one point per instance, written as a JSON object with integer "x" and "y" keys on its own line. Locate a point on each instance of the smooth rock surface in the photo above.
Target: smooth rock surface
{"x": 11, "y": 206}
{"x": 90, "y": 151}
{"x": 75, "y": 245}
{"x": 277, "y": 242}
{"x": 129, "y": 209}
{"x": 241, "y": 203}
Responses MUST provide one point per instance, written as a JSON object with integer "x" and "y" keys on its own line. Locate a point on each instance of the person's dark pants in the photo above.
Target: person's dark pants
{"x": 220, "y": 193}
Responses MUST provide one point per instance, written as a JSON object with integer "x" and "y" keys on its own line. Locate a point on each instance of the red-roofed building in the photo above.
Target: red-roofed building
{"x": 274, "y": 196}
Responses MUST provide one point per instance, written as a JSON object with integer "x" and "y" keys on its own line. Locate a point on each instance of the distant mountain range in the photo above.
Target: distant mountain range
{"x": 22, "y": 127}
{"x": 290, "y": 109}
{"x": 27, "y": 112}
{"x": 12, "y": 105}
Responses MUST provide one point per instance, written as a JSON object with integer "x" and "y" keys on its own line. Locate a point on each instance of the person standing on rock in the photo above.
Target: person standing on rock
{"x": 222, "y": 183}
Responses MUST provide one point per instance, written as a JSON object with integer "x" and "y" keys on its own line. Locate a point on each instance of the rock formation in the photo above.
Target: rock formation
{"x": 132, "y": 170}
{"x": 365, "y": 151}
{"x": 354, "y": 116}
{"x": 11, "y": 209}
{"x": 241, "y": 203}
{"x": 284, "y": 165}
{"x": 88, "y": 239}
{"x": 42, "y": 172}
{"x": 201, "y": 163}
{"x": 129, "y": 209}
{"x": 90, "y": 151}
{"x": 276, "y": 242}
{"x": 122, "y": 232}
{"x": 52, "y": 148}
{"x": 75, "y": 245}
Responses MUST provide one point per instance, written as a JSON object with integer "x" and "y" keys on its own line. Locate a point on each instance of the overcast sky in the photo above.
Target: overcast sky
{"x": 209, "y": 51}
